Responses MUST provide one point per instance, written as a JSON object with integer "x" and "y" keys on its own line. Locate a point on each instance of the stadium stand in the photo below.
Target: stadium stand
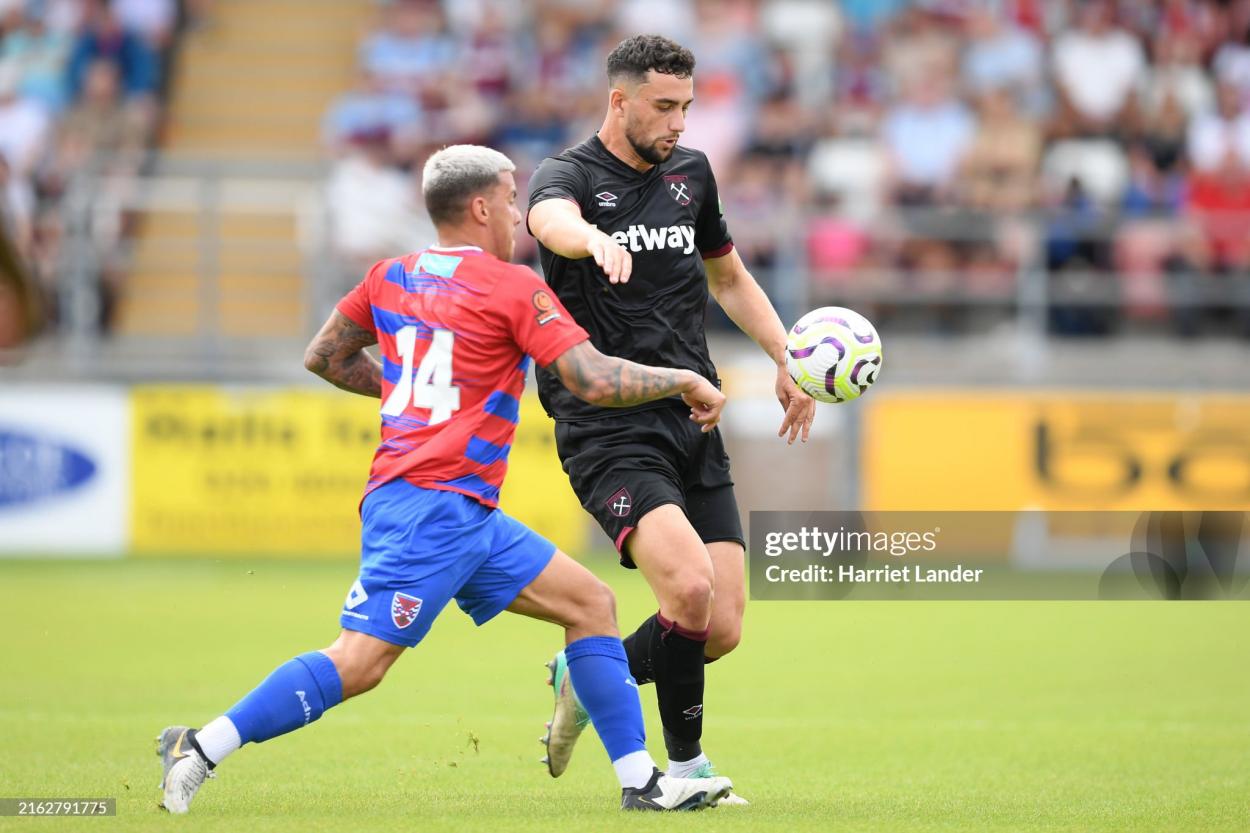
{"x": 945, "y": 165}
{"x": 251, "y": 85}
{"x": 931, "y": 153}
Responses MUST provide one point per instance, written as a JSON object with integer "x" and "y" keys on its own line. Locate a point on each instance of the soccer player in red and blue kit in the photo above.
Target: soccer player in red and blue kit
{"x": 457, "y": 327}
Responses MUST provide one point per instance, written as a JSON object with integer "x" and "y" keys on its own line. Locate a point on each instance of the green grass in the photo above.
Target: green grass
{"x": 891, "y": 716}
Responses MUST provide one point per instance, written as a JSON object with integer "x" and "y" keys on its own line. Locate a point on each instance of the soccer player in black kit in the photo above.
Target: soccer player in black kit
{"x": 632, "y": 240}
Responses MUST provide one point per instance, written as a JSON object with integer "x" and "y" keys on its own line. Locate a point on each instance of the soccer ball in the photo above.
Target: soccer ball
{"x": 833, "y": 354}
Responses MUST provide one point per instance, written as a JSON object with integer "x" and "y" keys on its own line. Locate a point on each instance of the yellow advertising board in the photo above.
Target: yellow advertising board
{"x": 1056, "y": 450}
{"x": 247, "y": 471}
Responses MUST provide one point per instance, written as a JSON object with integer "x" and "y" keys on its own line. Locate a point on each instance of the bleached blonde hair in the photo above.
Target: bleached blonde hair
{"x": 454, "y": 175}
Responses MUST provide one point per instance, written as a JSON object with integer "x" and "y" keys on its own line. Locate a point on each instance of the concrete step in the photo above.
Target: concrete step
{"x": 167, "y": 224}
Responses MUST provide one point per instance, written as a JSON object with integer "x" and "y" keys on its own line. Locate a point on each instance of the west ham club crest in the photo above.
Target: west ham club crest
{"x": 679, "y": 188}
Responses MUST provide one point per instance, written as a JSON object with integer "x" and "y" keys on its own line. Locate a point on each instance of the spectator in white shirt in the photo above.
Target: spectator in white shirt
{"x": 1097, "y": 68}
{"x": 23, "y": 125}
{"x": 1214, "y": 135}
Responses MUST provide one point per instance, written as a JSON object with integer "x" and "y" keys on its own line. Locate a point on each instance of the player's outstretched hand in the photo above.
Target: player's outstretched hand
{"x": 706, "y": 403}
{"x": 799, "y": 407}
{"x": 615, "y": 261}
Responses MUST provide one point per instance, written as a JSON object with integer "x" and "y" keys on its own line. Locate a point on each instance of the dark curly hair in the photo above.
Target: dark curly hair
{"x": 632, "y": 58}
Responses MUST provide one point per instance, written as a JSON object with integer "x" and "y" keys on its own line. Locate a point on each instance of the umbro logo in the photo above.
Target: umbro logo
{"x": 356, "y": 596}
{"x": 693, "y": 712}
{"x": 606, "y": 199}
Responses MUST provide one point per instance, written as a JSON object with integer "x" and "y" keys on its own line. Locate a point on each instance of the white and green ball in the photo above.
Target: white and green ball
{"x": 833, "y": 354}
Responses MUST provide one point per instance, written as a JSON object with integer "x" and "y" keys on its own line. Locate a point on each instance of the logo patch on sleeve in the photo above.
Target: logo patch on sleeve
{"x": 546, "y": 307}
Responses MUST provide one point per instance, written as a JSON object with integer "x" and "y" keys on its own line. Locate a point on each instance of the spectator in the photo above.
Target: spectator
{"x": 727, "y": 43}
{"x": 1232, "y": 62}
{"x": 412, "y": 53}
{"x": 672, "y": 18}
{"x": 23, "y": 126}
{"x": 807, "y": 30}
{"x": 1213, "y": 136}
{"x": 869, "y": 16}
{"x": 375, "y": 208}
{"x": 1219, "y": 200}
{"x": 104, "y": 38}
{"x": 759, "y": 202}
{"x": 41, "y": 54}
{"x": 63, "y": 16}
{"x": 1177, "y": 73}
{"x": 926, "y": 137}
{"x": 1163, "y": 134}
{"x": 716, "y": 127}
{"x": 17, "y": 210}
{"x": 1096, "y": 67}
{"x": 370, "y": 108}
{"x": 1002, "y": 55}
{"x": 488, "y": 57}
{"x": 783, "y": 129}
{"x": 999, "y": 171}
{"x": 919, "y": 47}
{"x": 152, "y": 20}
{"x": 102, "y": 133}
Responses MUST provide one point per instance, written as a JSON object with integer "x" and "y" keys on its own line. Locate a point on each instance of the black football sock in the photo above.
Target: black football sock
{"x": 677, "y": 658}
{"x": 638, "y": 648}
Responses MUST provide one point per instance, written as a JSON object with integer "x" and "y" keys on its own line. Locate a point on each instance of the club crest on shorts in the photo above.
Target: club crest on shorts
{"x": 404, "y": 609}
{"x": 679, "y": 189}
{"x": 620, "y": 504}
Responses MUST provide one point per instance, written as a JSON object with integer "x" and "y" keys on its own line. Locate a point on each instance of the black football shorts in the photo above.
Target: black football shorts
{"x": 622, "y": 467}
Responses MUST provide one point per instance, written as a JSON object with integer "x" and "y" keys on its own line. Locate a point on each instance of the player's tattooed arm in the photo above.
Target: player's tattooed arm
{"x": 337, "y": 354}
{"x": 610, "y": 382}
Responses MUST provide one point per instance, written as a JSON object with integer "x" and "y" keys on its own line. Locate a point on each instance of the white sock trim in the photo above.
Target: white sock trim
{"x": 218, "y": 739}
{"x": 682, "y": 769}
{"x": 634, "y": 770}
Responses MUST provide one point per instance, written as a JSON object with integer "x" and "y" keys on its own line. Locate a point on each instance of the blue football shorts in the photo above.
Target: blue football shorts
{"x": 420, "y": 548}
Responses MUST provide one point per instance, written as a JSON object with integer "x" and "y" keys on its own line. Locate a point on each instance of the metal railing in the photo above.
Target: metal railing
{"x": 1024, "y": 297}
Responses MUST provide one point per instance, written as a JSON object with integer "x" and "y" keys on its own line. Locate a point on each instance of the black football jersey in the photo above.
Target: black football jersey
{"x": 669, "y": 218}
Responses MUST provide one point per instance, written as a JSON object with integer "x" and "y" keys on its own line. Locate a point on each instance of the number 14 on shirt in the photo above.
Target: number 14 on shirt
{"x": 430, "y": 387}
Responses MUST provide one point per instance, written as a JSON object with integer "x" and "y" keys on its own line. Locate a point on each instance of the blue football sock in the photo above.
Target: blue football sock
{"x": 599, "y": 672}
{"x": 294, "y": 695}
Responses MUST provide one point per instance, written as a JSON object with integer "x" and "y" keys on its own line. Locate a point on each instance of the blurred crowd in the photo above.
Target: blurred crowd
{"x": 80, "y": 93}
{"x": 924, "y": 150}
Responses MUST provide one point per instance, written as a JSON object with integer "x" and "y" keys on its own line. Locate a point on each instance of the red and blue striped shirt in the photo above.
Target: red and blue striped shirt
{"x": 456, "y": 329}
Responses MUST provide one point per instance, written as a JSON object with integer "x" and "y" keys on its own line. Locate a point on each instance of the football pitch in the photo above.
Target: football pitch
{"x": 890, "y": 716}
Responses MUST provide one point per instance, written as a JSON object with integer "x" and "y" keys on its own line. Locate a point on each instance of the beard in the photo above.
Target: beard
{"x": 650, "y": 153}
